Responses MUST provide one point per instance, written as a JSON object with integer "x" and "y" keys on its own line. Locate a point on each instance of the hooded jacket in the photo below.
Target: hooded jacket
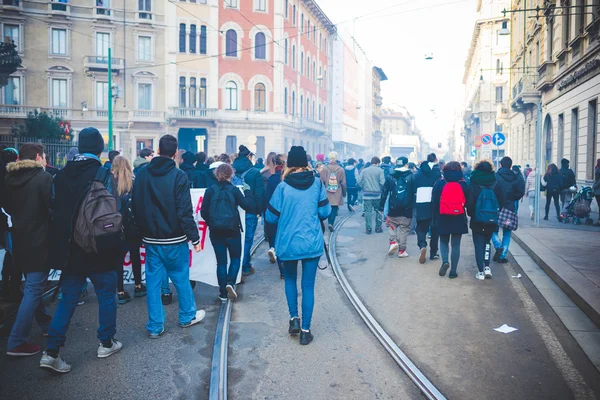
{"x": 425, "y": 179}
{"x": 27, "y": 200}
{"x": 481, "y": 179}
{"x": 253, "y": 178}
{"x": 389, "y": 188}
{"x": 512, "y": 186}
{"x": 449, "y": 224}
{"x": 139, "y": 163}
{"x": 241, "y": 200}
{"x": 387, "y": 169}
{"x": 162, "y": 204}
{"x": 568, "y": 177}
{"x": 298, "y": 206}
{"x": 201, "y": 173}
{"x": 351, "y": 177}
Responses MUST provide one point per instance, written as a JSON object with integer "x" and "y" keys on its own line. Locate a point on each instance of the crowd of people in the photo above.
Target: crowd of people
{"x": 83, "y": 220}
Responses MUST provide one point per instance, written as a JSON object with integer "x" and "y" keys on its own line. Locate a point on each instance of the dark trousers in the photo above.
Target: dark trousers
{"x": 136, "y": 267}
{"x": 447, "y": 242}
{"x": 352, "y": 196}
{"x": 11, "y": 273}
{"x": 271, "y": 233}
{"x": 422, "y": 229}
{"x": 553, "y": 196}
{"x": 482, "y": 249}
{"x": 222, "y": 245}
{"x": 333, "y": 215}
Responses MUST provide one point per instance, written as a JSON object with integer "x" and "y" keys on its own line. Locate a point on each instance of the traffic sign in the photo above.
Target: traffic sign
{"x": 499, "y": 139}
{"x": 486, "y": 139}
{"x": 477, "y": 141}
{"x": 473, "y": 151}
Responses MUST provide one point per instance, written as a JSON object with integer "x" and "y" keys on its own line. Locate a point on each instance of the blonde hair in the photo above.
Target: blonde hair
{"x": 121, "y": 169}
{"x": 295, "y": 170}
{"x": 333, "y": 156}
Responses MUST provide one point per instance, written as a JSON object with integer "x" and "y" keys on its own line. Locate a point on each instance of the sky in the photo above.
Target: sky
{"x": 396, "y": 35}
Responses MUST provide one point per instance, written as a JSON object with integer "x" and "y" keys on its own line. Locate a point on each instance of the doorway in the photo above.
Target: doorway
{"x": 193, "y": 140}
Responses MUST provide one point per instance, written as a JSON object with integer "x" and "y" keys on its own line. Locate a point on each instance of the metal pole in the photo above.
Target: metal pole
{"x": 124, "y": 54}
{"x": 110, "y": 100}
{"x": 538, "y": 163}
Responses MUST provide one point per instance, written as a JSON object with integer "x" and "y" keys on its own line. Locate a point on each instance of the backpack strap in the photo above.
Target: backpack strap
{"x": 244, "y": 174}
{"x": 102, "y": 175}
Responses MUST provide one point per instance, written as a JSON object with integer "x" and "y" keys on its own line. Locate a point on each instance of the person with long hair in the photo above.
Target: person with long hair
{"x": 299, "y": 206}
{"x": 530, "y": 191}
{"x": 552, "y": 182}
{"x": 123, "y": 173}
{"x": 271, "y": 229}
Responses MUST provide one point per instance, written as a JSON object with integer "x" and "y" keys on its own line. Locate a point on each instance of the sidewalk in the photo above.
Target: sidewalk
{"x": 568, "y": 253}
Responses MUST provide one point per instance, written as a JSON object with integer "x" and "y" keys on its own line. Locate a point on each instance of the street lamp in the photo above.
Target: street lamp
{"x": 504, "y": 31}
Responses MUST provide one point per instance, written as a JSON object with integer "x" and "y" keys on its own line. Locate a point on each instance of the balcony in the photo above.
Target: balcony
{"x": 146, "y": 116}
{"x": 192, "y": 113}
{"x": 12, "y": 5}
{"x": 59, "y": 7}
{"x": 15, "y": 111}
{"x": 502, "y": 111}
{"x": 100, "y": 64}
{"x": 101, "y": 11}
{"x": 546, "y": 74}
{"x": 378, "y": 101}
{"x": 308, "y": 124}
{"x": 525, "y": 94}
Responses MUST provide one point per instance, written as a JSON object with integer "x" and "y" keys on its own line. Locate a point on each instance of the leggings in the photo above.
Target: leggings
{"x": 136, "y": 267}
{"x": 482, "y": 249}
{"x": 445, "y": 241}
{"x": 553, "y": 195}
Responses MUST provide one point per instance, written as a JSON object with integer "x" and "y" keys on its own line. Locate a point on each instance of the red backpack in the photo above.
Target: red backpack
{"x": 452, "y": 201}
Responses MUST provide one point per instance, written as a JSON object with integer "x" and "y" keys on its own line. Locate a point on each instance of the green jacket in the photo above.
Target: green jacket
{"x": 371, "y": 180}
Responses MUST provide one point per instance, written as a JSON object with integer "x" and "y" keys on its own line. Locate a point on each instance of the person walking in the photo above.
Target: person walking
{"x": 70, "y": 185}
{"x": 596, "y": 187}
{"x": 351, "y": 183}
{"x": 386, "y": 165}
{"x": 483, "y": 206}
{"x": 425, "y": 180}
{"x": 299, "y": 205}
{"x": 27, "y": 200}
{"x": 220, "y": 211}
{"x": 552, "y": 184}
{"x": 271, "y": 229}
{"x": 530, "y": 191}
{"x": 121, "y": 170}
{"x": 163, "y": 212}
{"x": 448, "y": 203}
{"x": 146, "y": 155}
{"x": 334, "y": 178}
{"x": 513, "y": 190}
{"x": 245, "y": 171}
{"x": 11, "y": 275}
{"x": 400, "y": 187}
{"x": 201, "y": 170}
{"x": 568, "y": 181}
{"x": 371, "y": 180}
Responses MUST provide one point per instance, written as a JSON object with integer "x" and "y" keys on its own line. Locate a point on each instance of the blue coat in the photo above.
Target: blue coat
{"x": 298, "y": 205}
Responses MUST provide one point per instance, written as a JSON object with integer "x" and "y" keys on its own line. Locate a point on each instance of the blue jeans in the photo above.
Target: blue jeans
{"x": 309, "y": 274}
{"x": 175, "y": 260}
{"x": 105, "y": 285}
{"x": 31, "y": 305}
{"x": 164, "y": 283}
{"x": 222, "y": 246}
{"x": 506, "y": 235}
{"x": 251, "y": 223}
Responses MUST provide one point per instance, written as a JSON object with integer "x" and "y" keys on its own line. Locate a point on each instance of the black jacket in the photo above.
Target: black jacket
{"x": 242, "y": 200}
{"x": 568, "y": 178}
{"x": 449, "y": 224}
{"x": 512, "y": 186}
{"x": 69, "y": 186}
{"x": 553, "y": 183}
{"x": 162, "y": 204}
{"x": 27, "y": 200}
{"x": 272, "y": 183}
{"x": 211, "y": 178}
{"x": 425, "y": 180}
{"x": 200, "y": 176}
{"x": 253, "y": 178}
{"x": 474, "y": 191}
{"x": 389, "y": 188}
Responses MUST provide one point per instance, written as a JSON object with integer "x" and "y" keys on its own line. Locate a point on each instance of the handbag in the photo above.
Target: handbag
{"x": 508, "y": 219}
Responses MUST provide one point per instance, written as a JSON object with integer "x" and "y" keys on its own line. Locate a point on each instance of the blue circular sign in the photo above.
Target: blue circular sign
{"x": 486, "y": 139}
{"x": 499, "y": 139}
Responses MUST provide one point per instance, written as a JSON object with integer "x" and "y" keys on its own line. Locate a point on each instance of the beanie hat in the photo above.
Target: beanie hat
{"x": 401, "y": 162}
{"x": 297, "y": 157}
{"x": 244, "y": 151}
{"x": 189, "y": 157}
{"x": 90, "y": 141}
{"x": 321, "y": 157}
{"x": 564, "y": 162}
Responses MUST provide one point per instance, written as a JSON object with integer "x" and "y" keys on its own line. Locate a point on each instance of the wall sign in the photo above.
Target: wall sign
{"x": 587, "y": 69}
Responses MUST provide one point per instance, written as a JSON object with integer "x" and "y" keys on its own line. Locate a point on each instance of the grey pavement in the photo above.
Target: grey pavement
{"x": 447, "y": 326}
{"x": 176, "y": 366}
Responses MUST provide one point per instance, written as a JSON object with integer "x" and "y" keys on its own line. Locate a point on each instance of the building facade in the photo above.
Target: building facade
{"x": 401, "y": 137}
{"x": 377, "y": 143}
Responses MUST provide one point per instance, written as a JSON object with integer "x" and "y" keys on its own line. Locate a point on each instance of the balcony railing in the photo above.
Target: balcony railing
{"x": 13, "y": 3}
{"x": 310, "y": 124}
{"x": 192, "y": 113}
{"x": 102, "y": 12}
{"x": 15, "y": 111}
{"x": 147, "y": 116}
{"x": 100, "y": 63}
{"x": 58, "y": 112}
{"x": 59, "y": 7}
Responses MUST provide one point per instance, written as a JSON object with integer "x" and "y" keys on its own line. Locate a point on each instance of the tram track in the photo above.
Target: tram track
{"x": 404, "y": 362}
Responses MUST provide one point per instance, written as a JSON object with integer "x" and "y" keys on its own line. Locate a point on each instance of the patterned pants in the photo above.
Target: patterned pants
{"x": 399, "y": 230}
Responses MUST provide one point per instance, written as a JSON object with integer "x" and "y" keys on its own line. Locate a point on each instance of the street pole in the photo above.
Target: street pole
{"x": 110, "y": 100}
{"x": 538, "y": 163}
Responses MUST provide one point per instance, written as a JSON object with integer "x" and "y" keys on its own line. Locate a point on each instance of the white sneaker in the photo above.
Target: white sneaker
{"x": 104, "y": 352}
{"x": 488, "y": 272}
{"x": 231, "y": 292}
{"x": 200, "y": 314}
{"x": 56, "y": 364}
{"x": 393, "y": 248}
{"x": 480, "y": 276}
{"x": 402, "y": 254}
{"x": 272, "y": 255}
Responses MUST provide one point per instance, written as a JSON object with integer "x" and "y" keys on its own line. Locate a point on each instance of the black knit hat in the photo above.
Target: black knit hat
{"x": 297, "y": 157}
{"x": 244, "y": 151}
{"x": 90, "y": 141}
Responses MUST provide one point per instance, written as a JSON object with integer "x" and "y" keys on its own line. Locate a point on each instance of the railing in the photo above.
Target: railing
{"x": 102, "y": 12}
{"x": 193, "y": 113}
{"x": 13, "y": 111}
{"x": 526, "y": 84}
{"x": 147, "y": 115}
{"x": 58, "y": 112}
{"x": 144, "y": 16}
{"x": 61, "y": 7}
{"x": 102, "y": 62}
{"x": 11, "y": 3}
{"x": 310, "y": 124}
{"x": 56, "y": 149}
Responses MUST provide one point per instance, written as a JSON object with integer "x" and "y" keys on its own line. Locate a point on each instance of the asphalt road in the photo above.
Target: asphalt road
{"x": 446, "y": 326}
{"x": 176, "y": 366}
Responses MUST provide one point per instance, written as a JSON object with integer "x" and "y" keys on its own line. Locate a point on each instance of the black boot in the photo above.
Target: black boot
{"x": 305, "y": 337}
{"x": 294, "y": 326}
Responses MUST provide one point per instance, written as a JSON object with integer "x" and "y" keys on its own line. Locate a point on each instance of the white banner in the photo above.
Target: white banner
{"x": 203, "y": 265}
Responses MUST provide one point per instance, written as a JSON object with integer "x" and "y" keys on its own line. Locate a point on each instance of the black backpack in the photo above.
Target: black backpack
{"x": 400, "y": 198}
{"x": 224, "y": 214}
{"x": 130, "y": 227}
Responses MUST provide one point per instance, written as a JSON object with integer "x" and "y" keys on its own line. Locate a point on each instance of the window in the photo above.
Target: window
{"x": 192, "y": 101}
{"x": 293, "y": 57}
{"x": 302, "y": 63}
{"x": 320, "y": 41}
{"x": 286, "y": 5}
{"x": 498, "y": 94}
{"x": 260, "y": 146}
{"x": 308, "y": 67}
{"x": 261, "y": 5}
{"x": 102, "y": 45}
{"x": 314, "y": 72}
{"x": 144, "y": 96}
{"x": 144, "y": 48}
{"x": 260, "y": 97}
{"x": 315, "y": 33}
{"x": 103, "y": 7}
{"x": 324, "y": 115}
{"x": 145, "y": 9}
{"x": 59, "y": 41}
{"x": 59, "y": 93}
{"x": 307, "y": 108}
{"x": 285, "y": 101}
{"x": 293, "y": 104}
{"x": 203, "y": 39}
{"x": 101, "y": 95}
{"x": 12, "y": 91}
{"x": 182, "y": 38}
{"x": 231, "y": 97}
{"x": 302, "y": 23}
{"x": 308, "y": 29}
{"x": 231, "y": 144}
{"x": 294, "y": 15}
{"x": 285, "y": 52}
{"x": 499, "y": 66}
{"x": 313, "y": 109}
{"x": 566, "y": 26}
{"x": 579, "y": 16}
{"x": 203, "y": 93}
{"x": 182, "y": 92}
{"x": 260, "y": 49}
{"x": 592, "y": 146}
{"x": 574, "y": 138}
{"x": 325, "y": 45}
{"x": 301, "y": 106}
{"x": 320, "y": 107}
{"x": 231, "y": 3}
{"x": 11, "y": 34}
{"x": 549, "y": 38}
{"x": 560, "y": 137}
{"x": 192, "y": 38}
{"x": 231, "y": 43}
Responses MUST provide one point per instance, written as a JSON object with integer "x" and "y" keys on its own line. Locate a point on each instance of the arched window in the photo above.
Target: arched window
{"x": 319, "y": 113}
{"x": 313, "y": 110}
{"x": 231, "y": 96}
{"x": 192, "y": 38}
{"x": 301, "y": 106}
{"x": 301, "y": 63}
{"x": 231, "y": 43}
{"x": 293, "y": 103}
{"x": 286, "y": 4}
{"x": 308, "y": 67}
{"x": 307, "y": 108}
{"x": 285, "y": 101}
{"x": 182, "y": 94}
{"x": 192, "y": 103}
{"x": 294, "y": 56}
{"x": 182, "y": 38}
{"x": 260, "y": 97}
{"x": 203, "y": 93}
{"x": 314, "y": 74}
{"x": 260, "y": 49}
{"x": 320, "y": 77}
{"x": 302, "y": 23}
{"x": 285, "y": 49}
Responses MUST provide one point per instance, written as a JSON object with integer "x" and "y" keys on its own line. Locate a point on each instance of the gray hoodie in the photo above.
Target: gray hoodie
{"x": 371, "y": 180}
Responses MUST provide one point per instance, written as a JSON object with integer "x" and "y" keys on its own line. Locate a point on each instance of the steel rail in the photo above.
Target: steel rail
{"x": 420, "y": 380}
{"x": 218, "y": 371}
